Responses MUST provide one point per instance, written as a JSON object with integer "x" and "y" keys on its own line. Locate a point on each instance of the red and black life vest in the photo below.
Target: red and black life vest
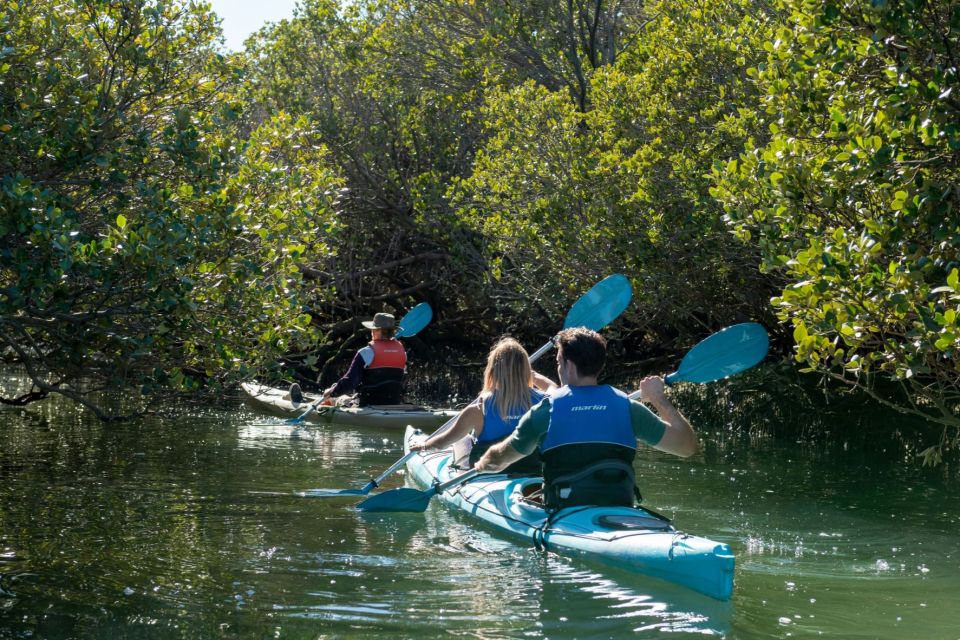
{"x": 383, "y": 376}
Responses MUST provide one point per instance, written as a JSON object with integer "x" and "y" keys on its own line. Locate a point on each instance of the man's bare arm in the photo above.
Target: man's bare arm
{"x": 498, "y": 456}
{"x": 679, "y": 438}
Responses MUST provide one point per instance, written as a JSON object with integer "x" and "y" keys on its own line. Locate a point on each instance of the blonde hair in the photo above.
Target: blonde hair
{"x": 508, "y": 376}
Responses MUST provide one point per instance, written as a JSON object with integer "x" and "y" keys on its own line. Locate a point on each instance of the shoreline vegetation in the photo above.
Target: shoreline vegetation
{"x": 175, "y": 219}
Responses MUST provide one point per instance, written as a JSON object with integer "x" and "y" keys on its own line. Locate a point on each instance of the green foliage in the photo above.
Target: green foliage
{"x": 563, "y": 195}
{"x": 384, "y": 97}
{"x": 533, "y": 169}
{"x": 667, "y": 110}
{"x": 406, "y": 94}
{"x": 854, "y": 197}
{"x": 143, "y": 244}
{"x": 174, "y": 219}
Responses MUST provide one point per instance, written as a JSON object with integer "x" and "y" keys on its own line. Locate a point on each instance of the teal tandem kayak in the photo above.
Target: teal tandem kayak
{"x": 631, "y": 539}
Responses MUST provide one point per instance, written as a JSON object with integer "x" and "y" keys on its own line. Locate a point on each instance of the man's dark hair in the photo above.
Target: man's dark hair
{"x": 584, "y": 348}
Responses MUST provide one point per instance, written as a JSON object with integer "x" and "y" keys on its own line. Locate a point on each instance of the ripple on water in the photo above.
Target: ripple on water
{"x": 152, "y": 531}
{"x": 277, "y": 434}
{"x": 433, "y": 571}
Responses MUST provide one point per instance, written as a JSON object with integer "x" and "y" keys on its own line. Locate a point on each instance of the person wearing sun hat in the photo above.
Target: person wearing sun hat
{"x": 376, "y": 372}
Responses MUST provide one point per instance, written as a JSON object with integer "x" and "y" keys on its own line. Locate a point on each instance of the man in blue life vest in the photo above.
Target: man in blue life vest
{"x": 377, "y": 369}
{"x": 587, "y": 433}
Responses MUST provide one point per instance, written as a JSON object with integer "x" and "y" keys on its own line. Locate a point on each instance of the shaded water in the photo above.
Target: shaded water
{"x": 189, "y": 528}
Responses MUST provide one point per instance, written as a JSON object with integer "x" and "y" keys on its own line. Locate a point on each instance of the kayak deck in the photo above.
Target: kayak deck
{"x": 277, "y": 402}
{"x": 634, "y": 539}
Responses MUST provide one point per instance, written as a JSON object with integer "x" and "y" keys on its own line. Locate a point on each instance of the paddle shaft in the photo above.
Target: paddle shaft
{"x": 375, "y": 482}
{"x": 542, "y": 350}
{"x": 313, "y": 406}
{"x": 396, "y": 465}
{"x": 452, "y": 482}
{"x": 303, "y": 416}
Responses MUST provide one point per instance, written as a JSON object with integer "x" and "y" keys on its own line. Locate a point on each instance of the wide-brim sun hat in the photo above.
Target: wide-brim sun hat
{"x": 380, "y": 321}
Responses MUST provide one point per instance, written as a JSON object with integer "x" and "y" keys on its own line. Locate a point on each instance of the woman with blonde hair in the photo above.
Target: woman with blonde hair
{"x": 510, "y": 388}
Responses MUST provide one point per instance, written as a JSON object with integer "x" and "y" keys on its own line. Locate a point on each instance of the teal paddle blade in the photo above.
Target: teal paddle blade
{"x": 596, "y": 308}
{"x": 366, "y": 489}
{"x": 403, "y": 499}
{"x": 601, "y": 305}
{"x": 336, "y": 493}
{"x": 406, "y": 499}
{"x": 725, "y": 353}
{"x": 415, "y": 320}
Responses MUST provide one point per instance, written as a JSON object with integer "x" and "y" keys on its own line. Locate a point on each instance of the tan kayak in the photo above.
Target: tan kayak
{"x": 277, "y": 402}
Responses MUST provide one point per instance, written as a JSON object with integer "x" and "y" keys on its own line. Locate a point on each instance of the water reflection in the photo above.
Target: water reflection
{"x": 486, "y": 581}
{"x": 190, "y": 528}
{"x": 627, "y": 605}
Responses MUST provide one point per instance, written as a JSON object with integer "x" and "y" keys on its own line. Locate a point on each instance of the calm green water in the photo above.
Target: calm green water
{"x": 164, "y": 529}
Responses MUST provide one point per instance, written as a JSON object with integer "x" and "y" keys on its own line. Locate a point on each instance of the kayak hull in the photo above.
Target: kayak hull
{"x": 277, "y": 402}
{"x": 630, "y": 539}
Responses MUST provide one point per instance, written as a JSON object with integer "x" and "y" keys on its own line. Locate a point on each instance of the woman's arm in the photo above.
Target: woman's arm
{"x": 470, "y": 419}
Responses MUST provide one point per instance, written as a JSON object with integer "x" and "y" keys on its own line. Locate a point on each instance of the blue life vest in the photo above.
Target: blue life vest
{"x": 496, "y": 428}
{"x": 589, "y": 415}
{"x": 588, "y": 449}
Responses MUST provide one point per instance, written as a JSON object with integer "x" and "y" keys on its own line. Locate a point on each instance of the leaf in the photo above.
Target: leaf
{"x": 945, "y": 341}
{"x": 799, "y": 333}
{"x": 121, "y": 221}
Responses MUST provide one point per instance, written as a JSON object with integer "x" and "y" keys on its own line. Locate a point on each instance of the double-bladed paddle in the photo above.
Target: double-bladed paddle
{"x": 721, "y": 355}
{"x": 415, "y": 320}
{"x": 367, "y": 488}
{"x": 406, "y": 499}
{"x": 410, "y": 325}
{"x": 595, "y": 309}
